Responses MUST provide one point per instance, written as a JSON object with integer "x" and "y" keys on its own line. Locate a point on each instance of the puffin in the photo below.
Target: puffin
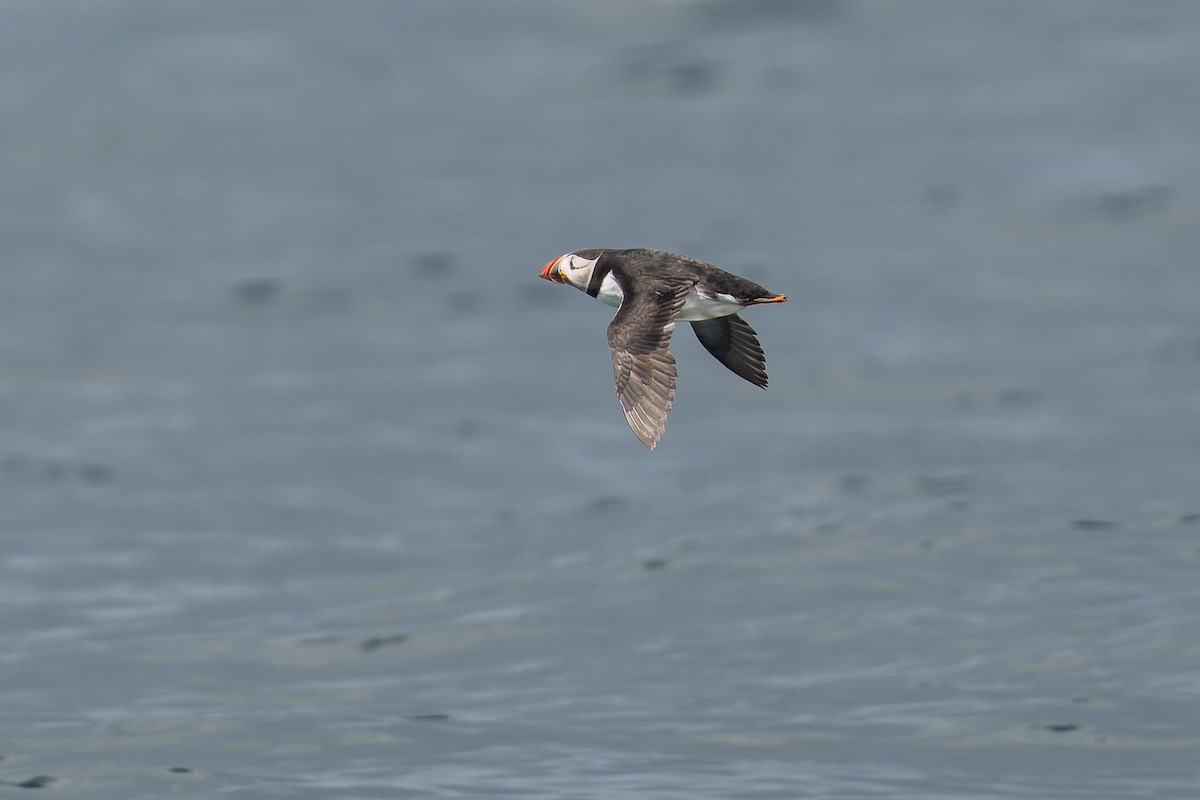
{"x": 652, "y": 289}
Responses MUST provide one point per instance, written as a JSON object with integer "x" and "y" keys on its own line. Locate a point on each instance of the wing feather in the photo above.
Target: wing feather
{"x": 734, "y": 343}
{"x": 643, "y": 367}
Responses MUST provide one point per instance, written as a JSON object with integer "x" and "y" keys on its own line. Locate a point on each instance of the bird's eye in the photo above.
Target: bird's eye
{"x": 574, "y": 263}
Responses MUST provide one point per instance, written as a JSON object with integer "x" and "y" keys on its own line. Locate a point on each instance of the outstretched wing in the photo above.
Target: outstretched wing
{"x": 643, "y": 367}
{"x": 733, "y": 342}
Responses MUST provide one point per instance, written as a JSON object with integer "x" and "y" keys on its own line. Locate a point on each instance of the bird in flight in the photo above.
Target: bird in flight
{"x": 651, "y": 290}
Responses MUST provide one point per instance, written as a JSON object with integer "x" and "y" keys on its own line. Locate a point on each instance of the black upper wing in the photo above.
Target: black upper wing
{"x": 733, "y": 342}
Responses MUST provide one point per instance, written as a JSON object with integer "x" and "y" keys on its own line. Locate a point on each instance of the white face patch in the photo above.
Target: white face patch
{"x": 577, "y": 269}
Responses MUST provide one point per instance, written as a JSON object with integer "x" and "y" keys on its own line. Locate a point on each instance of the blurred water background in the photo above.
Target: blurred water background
{"x": 310, "y": 488}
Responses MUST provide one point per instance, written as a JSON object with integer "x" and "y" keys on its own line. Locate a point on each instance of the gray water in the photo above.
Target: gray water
{"x": 310, "y": 488}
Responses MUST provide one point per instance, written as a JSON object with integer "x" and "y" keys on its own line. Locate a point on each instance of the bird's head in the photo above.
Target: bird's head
{"x": 573, "y": 268}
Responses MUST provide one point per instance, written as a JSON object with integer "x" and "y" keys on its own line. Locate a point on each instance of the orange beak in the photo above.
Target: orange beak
{"x": 550, "y": 273}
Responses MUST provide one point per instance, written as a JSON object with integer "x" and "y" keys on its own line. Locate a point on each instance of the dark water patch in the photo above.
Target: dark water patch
{"x": 429, "y": 717}
{"x": 1094, "y": 524}
{"x": 943, "y": 197}
{"x": 1190, "y": 519}
{"x": 853, "y": 484}
{"x": 1178, "y": 349}
{"x": 375, "y": 642}
{"x": 1056, "y": 727}
{"x": 694, "y": 77}
{"x": 941, "y": 485}
{"x": 257, "y": 291}
{"x": 1132, "y": 203}
{"x": 328, "y": 300}
{"x": 95, "y": 474}
{"x": 1008, "y": 398}
{"x": 321, "y": 641}
{"x": 746, "y": 13}
{"x": 781, "y": 80}
{"x": 468, "y": 429}
{"x": 179, "y": 770}
{"x": 606, "y": 505}
{"x": 668, "y": 69}
{"x": 36, "y": 782}
{"x": 432, "y": 266}
{"x": 20, "y": 465}
{"x": 1015, "y": 398}
{"x": 464, "y": 300}
{"x": 652, "y": 564}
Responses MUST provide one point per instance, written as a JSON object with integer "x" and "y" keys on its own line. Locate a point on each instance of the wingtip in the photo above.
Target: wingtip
{"x": 648, "y": 438}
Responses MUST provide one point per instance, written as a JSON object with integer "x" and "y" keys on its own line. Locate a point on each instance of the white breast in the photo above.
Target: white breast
{"x": 610, "y": 292}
